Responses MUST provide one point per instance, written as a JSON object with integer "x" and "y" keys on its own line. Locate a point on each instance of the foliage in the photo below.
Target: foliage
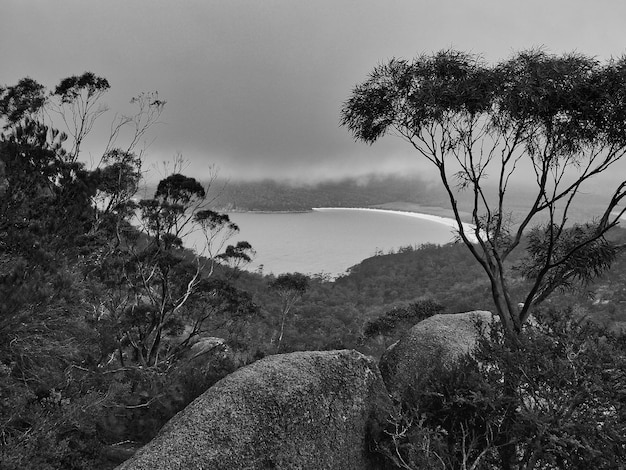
{"x": 446, "y": 273}
{"x": 402, "y": 318}
{"x": 581, "y": 257}
{"x": 290, "y": 286}
{"x": 237, "y": 255}
{"x": 101, "y": 306}
{"x": 70, "y": 88}
{"x": 163, "y": 297}
{"x": 79, "y": 105}
{"x": 23, "y": 100}
{"x": 568, "y": 406}
{"x": 88, "y": 277}
{"x": 553, "y": 114}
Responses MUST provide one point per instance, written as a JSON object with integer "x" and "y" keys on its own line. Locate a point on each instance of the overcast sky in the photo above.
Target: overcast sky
{"x": 255, "y": 86}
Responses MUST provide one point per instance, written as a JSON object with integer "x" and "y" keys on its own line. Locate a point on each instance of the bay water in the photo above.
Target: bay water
{"x": 330, "y": 240}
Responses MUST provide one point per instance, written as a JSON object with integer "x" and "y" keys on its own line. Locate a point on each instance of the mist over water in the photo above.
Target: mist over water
{"x": 329, "y": 240}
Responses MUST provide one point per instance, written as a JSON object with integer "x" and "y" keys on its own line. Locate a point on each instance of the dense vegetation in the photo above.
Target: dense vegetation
{"x": 562, "y": 119}
{"x": 109, "y": 326}
{"x": 100, "y": 303}
{"x": 570, "y": 402}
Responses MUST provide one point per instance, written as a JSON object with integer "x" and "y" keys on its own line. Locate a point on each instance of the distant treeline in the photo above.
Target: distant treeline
{"x": 271, "y": 195}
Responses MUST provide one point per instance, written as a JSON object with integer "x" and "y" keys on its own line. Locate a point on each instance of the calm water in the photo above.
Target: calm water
{"x": 330, "y": 240}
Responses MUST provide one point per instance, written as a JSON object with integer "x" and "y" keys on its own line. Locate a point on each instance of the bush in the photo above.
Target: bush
{"x": 401, "y": 318}
{"x": 568, "y": 410}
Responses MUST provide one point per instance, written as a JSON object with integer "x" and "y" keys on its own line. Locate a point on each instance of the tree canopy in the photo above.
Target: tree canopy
{"x": 554, "y": 120}
{"x": 100, "y": 302}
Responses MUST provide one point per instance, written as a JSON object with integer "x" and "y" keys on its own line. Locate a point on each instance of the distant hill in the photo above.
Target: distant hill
{"x": 271, "y": 195}
{"x": 409, "y": 193}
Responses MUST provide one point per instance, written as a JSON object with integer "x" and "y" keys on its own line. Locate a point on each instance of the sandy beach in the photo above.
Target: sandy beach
{"x": 448, "y": 221}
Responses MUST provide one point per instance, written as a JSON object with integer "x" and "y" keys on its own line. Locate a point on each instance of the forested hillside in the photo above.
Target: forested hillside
{"x": 336, "y": 314}
{"x": 100, "y": 304}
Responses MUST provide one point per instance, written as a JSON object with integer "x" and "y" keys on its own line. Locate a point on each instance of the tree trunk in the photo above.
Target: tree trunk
{"x": 282, "y": 330}
{"x": 508, "y": 317}
{"x": 508, "y": 446}
{"x": 512, "y": 329}
{"x": 155, "y": 348}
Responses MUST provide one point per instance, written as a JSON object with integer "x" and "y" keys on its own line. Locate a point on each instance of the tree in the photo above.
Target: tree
{"x": 91, "y": 279}
{"x": 79, "y": 105}
{"x": 52, "y": 390}
{"x": 290, "y": 287}
{"x": 116, "y": 182}
{"x": 237, "y": 255}
{"x": 26, "y": 99}
{"x": 563, "y": 117}
{"x": 160, "y": 293}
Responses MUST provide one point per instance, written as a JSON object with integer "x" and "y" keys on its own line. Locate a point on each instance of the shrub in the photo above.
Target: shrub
{"x": 568, "y": 410}
{"x": 401, "y": 317}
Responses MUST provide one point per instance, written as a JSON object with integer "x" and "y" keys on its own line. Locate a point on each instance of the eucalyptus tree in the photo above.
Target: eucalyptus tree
{"x": 560, "y": 119}
{"x": 25, "y": 99}
{"x": 290, "y": 287}
{"x": 159, "y": 289}
{"x": 80, "y": 105}
{"x": 89, "y": 274}
{"x": 134, "y": 248}
{"x": 237, "y": 255}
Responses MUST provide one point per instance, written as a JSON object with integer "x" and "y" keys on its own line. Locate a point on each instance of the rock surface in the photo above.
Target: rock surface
{"x": 435, "y": 340}
{"x": 304, "y": 410}
{"x": 206, "y": 346}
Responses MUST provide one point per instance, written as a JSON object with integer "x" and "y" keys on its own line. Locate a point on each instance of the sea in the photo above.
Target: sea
{"x": 328, "y": 241}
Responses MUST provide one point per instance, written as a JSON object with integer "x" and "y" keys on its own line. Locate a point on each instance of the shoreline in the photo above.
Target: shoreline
{"x": 236, "y": 211}
{"x": 415, "y": 207}
{"x": 435, "y": 214}
{"x": 398, "y": 206}
{"x": 448, "y": 221}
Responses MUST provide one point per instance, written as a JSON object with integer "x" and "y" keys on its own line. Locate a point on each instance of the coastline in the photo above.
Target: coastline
{"x": 398, "y": 206}
{"x": 240, "y": 211}
{"x": 448, "y": 221}
{"x": 435, "y": 214}
{"x": 422, "y": 209}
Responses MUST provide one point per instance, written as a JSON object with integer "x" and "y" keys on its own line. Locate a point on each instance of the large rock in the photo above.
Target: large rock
{"x": 304, "y": 410}
{"x": 439, "y": 339}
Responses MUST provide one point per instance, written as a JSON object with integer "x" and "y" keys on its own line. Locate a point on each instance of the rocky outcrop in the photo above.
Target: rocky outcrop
{"x": 433, "y": 341}
{"x": 304, "y": 410}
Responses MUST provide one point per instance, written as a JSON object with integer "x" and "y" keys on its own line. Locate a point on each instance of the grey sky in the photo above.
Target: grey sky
{"x": 255, "y": 86}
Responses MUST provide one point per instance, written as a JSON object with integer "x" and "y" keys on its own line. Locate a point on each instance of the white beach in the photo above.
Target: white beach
{"x": 469, "y": 228}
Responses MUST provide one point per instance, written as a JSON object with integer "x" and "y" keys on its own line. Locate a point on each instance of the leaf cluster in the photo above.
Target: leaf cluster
{"x": 22, "y": 100}
{"x": 70, "y": 88}
{"x": 571, "y": 96}
{"x": 577, "y": 255}
{"x": 290, "y": 284}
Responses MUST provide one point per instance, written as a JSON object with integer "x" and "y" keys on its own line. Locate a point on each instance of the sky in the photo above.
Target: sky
{"x": 255, "y": 87}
